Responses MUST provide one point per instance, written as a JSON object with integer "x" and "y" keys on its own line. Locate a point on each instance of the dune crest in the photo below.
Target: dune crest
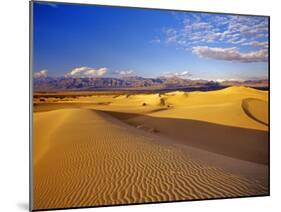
{"x": 256, "y": 109}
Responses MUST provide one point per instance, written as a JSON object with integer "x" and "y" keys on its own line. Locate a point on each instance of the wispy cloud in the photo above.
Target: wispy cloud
{"x": 263, "y": 45}
{"x": 183, "y": 74}
{"x": 41, "y": 74}
{"x": 231, "y": 54}
{"x": 124, "y": 73}
{"x": 221, "y": 31}
{"x": 86, "y": 72}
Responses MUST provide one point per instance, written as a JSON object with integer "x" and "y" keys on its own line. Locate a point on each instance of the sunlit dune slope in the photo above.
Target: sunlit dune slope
{"x": 88, "y": 158}
{"x": 45, "y": 127}
{"x": 220, "y": 107}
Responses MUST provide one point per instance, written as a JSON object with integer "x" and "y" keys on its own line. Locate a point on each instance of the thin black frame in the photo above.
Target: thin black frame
{"x": 31, "y": 103}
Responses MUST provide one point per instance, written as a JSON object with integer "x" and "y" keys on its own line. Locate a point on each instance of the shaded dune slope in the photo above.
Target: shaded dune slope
{"x": 245, "y": 144}
{"x": 93, "y": 159}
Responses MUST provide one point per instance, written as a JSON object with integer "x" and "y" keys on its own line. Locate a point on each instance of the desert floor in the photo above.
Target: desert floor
{"x": 102, "y": 149}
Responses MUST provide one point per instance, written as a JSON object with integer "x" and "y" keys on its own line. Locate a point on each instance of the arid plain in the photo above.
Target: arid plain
{"x": 107, "y": 148}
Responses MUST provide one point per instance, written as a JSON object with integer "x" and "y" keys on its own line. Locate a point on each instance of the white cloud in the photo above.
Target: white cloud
{"x": 41, "y": 74}
{"x": 263, "y": 45}
{"x": 231, "y": 54}
{"x": 86, "y": 72}
{"x": 183, "y": 74}
{"x": 125, "y": 73}
{"x": 201, "y": 25}
{"x": 209, "y": 29}
{"x": 231, "y": 79}
{"x": 235, "y": 41}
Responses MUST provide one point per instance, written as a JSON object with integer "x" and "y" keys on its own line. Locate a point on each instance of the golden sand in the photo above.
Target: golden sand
{"x": 114, "y": 149}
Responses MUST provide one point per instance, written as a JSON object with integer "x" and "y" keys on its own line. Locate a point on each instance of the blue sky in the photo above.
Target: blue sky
{"x": 96, "y": 41}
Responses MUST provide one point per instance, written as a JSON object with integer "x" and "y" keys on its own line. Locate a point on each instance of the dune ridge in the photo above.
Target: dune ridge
{"x": 256, "y": 109}
{"x": 85, "y": 165}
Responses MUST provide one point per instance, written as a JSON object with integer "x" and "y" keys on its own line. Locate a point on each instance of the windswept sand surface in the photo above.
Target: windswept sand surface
{"x": 104, "y": 150}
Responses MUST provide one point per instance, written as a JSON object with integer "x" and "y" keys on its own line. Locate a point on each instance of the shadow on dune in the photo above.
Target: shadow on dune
{"x": 245, "y": 107}
{"x": 241, "y": 143}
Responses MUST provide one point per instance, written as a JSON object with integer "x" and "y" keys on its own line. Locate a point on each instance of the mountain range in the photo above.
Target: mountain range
{"x": 53, "y": 84}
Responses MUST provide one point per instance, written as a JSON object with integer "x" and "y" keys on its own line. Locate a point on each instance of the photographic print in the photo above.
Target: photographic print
{"x": 134, "y": 105}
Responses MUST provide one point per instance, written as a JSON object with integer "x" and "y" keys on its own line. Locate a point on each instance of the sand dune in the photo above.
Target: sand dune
{"x": 114, "y": 149}
{"x": 256, "y": 109}
{"x": 240, "y": 143}
{"x": 218, "y": 107}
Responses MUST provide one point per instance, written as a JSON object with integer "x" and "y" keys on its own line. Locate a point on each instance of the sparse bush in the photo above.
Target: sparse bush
{"x": 162, "y": 102}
